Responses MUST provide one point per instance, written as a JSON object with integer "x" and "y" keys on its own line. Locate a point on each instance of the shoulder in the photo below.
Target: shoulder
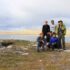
{"x": 38, "y": 37}
{"x": 44, "y": 25}
{"x": 48, "y": 25}
{"x": 53, "y": 25}
{"x": 51, "y": 38}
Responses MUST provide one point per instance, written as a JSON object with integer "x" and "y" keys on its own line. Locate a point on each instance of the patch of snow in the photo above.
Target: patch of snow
{"x": 22, "y": 53}
{"x": 9, "y": 47}
{"x": 25, "y": 54}
{"x": 2, "y": 48}
{"x": 66, "y": 50}
{"x": 34, "y": 45}
{"x": 24, "y": 48}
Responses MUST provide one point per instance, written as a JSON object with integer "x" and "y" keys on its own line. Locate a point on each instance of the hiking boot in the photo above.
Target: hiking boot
{"x": 64, "y": 48}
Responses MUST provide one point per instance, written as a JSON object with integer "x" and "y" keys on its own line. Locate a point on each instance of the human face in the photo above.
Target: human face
{"x": 54, "y": 35}
{"x": 52, "y": 22}
{"x": 61, "y": 23}
{"x": 41, "y": 35}
{"x": 46, "y": 22}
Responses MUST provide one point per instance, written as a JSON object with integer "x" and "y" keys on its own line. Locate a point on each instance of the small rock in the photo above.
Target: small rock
{"x": 24, "y": 48}
{"x": 2, "y": 48}
{"x": 9, "y": 47}
{"x": 22, "y": 53}
{"x": 34, "y": 45}
{"x": 25, "y": 54}
{"x": 40, "y": 60}
{"x": 66, "y": 50}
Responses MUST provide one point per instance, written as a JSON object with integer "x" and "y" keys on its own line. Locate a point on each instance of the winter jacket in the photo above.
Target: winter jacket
{"x": 45, "y": 29}
{"x": 39, "y": 40}
{"x": 53, "y": 40}
{"x": 63, "y": 28}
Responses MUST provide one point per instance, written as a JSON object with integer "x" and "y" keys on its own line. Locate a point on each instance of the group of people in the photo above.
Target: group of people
{"x": 52, "y": 36}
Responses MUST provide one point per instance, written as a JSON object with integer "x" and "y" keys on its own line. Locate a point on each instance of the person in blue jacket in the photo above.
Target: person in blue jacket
{"x": 54, "y": 41}
{"x": 40, "y": 42}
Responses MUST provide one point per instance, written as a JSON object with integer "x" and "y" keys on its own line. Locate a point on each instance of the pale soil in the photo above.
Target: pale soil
{"x": 48, "y": 60}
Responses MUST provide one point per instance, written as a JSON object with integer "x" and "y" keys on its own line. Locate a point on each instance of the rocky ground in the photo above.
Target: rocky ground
{"x": 22, "y": 55}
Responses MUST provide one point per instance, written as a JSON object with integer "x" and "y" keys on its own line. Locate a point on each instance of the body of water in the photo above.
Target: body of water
{"x": 25, "y": 37}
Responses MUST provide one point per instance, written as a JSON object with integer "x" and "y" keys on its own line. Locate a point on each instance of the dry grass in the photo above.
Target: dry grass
{"x": 48, "y": 60}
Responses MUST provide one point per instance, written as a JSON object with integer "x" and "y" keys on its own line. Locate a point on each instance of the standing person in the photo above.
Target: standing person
{"x": 52, "y": 26}
{"x": 46, "y": 30}
{"x": 61, "y": 32}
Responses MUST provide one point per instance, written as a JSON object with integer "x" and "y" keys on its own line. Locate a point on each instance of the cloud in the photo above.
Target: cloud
{"x": 29, "y": 14}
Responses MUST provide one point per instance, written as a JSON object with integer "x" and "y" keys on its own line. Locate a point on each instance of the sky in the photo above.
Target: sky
{"x": 31, "y": 14}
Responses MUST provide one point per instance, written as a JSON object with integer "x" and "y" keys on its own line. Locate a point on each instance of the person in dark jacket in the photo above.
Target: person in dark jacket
{"x": 40, "y": 42}
{"x": 46, "y": 30}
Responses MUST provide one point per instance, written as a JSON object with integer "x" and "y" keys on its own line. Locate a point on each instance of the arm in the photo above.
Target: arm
{"x": 38, "y": 39}
{"x": 48, "y": 28}
{"x": 64, "y": 30}
{"x": 43, "y": 28}
{"x": 56, "y": 29}
{"x": 50, "y": 41}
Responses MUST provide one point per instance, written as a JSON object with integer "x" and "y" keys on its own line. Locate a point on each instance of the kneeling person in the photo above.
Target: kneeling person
{"x": 54, "y": 41}
{"x": 40, "y": 42}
